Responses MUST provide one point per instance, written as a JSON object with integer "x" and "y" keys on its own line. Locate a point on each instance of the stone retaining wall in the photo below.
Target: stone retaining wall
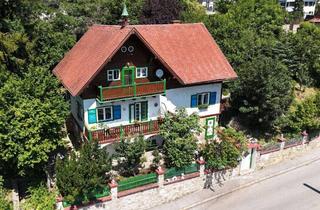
{"x": 272, "y": 158}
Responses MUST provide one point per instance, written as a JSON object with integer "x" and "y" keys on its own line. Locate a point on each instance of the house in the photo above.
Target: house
{"x": 123, "y": 78}
{"x": 308, "y": 9}
{"x": 208, "y": 5}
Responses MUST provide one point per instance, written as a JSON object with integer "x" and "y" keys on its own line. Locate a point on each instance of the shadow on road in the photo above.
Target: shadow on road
{"x": 312, "y": 188}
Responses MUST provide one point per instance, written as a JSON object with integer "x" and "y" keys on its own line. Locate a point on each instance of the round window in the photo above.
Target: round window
{"x": 123, "y": 49}
{"x": 131, "y": 49}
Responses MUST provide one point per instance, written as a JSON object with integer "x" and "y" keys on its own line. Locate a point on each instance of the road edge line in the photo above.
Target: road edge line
{"x": 251, "y": 183}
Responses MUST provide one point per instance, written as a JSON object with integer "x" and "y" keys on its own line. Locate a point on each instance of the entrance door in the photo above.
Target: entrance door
{"x": 128, "y": 75}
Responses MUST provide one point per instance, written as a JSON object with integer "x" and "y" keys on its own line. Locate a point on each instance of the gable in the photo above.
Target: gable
{"x": 186, "y": 50}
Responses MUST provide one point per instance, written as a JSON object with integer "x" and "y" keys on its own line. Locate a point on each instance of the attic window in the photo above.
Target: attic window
{"x": 113, "y": 74}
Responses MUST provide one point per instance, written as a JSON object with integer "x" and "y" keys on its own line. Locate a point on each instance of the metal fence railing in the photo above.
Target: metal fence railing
{"x": 137, "y": 181}
{"x": 293, "y": 142}
{"x": 314, "y": 135}
{"x": 172, "y": 172}
{"x": 270, "y": 147}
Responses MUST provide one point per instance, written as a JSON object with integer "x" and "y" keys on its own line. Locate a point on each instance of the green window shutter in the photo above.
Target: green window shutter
{"x": 213, "y": 98}
{"x": 144, "y": 110}
{"x": 194, "y": 101}
{"x": 92, "y": 116}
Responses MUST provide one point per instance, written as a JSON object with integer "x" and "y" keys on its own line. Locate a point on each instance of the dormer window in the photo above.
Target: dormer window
{"x": 113, "y": 74}
{"x": 142, "y": 72}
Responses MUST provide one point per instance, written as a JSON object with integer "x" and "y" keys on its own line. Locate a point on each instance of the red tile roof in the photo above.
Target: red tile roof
{"x": 315, "y": 19}
{"x": 187, "y": 50}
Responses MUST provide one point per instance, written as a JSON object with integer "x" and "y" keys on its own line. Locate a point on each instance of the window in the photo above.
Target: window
{"x": 79, "y": 111}
{"x": 113, "y": 74}
{"x": 203, "y": 98}
{"x": 142, "y": 72}
{"x": 104, "y": 113}
{"x": 138, "y": 111}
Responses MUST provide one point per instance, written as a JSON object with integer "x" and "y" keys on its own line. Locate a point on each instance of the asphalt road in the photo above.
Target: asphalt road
{"x": 296, "y": 190}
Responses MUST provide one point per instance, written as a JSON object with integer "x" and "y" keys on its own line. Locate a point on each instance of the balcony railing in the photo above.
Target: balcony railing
{"x": 116, "y": 133}
{"x": 130, "y": 91}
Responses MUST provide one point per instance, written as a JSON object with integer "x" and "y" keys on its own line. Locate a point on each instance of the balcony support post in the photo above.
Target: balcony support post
{"x": 165, "y": 86}
{"x": 100, "y": 88}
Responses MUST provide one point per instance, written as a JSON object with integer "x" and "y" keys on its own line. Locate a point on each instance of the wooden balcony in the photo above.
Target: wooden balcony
{"x": 131, "y": 91}
{"x": 116, "y": 133}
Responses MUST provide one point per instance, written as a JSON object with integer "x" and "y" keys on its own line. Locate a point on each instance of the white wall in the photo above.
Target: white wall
{"x": 175, "y": 98}
{"x": 181, "y": 97}
{"x": 153, "y": 111}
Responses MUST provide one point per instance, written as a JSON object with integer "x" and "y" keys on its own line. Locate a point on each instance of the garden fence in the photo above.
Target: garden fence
{"x": 270, "y": 147}
{"x": 137, "y": 181}
{"x": 175, "y": 172}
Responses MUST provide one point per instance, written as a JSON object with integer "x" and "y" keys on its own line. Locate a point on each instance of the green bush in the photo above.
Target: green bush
{"x": 129, "y": 154}
{"x": 82, "y": 174}
{"x": 39, "y": 198}
{"x": 4, "y": 203}
{"x": 302, "y": 116}
{"x": 226, "y": 152}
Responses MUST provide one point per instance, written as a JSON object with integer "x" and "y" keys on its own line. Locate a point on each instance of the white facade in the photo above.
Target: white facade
{"x": 180, "y": 97}
{"x": 308, "y": 9}
{"x": 157, "y": 105}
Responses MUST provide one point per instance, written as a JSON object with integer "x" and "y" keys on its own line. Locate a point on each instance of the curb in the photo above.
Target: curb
{"x": 251, "y": 183}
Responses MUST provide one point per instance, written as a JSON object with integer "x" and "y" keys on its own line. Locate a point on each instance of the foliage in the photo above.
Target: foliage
{"x": 39, "y": 198}
{"x": 302, "y": 116}
{"x": 155, "y": 13}
{"x": 263, "y": 92}
{"x": 81, "y": 174}
{"x": 222, "y": 6}
{"x": 193, "y": 12}
{"x": 32, "y": 113}
{"x": 178, "y": 131}
{"x": 225, "y": 152}
{"x": 156, "y": 158}
{"x": 4, "y": 203}
{"x": 129, "y": 154}
{"x": 297, "y": 14}
{"x": 305, "y": 45}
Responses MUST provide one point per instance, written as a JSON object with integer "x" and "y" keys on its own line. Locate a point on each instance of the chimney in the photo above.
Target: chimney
{"x": 124, "y": 21}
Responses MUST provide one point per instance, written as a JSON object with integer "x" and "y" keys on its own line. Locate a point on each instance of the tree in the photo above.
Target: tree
{"x": 154, "y": 12}
{"x": 302, "y": 116}
{"x": 297, "y": 14}
{"x": 192, "y": 12}
{"x": 32, "y": 113}
{"x": 226, "y": 151}
{"x": 4, "y": 203}
{"x": 82, "y": 173}
{"x": 39, "y": 198}
{"x": 222, "y": 6}
{"x": 129, "y": 155}
{"x": 180, "y": 144}
{"x": 263, "y": 92}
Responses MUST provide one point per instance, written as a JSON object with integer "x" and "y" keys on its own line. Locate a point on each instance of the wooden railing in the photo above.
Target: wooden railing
{"x": 116, "y": 133}
{"x": 129, "y": 91}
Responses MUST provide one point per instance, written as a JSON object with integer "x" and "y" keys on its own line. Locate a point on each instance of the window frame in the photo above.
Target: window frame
{"x": 104, "y": 113}
{"x": 113, "y": 75}
{"x": 140, "y": 69}
{"x": 202, "y": 98}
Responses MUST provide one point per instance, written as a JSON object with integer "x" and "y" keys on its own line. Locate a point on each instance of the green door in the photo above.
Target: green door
{"x": 128, "y": 75}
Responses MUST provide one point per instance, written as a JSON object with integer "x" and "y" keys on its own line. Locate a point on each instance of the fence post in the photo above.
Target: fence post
{"x": 304, "y": 137}
{"x": 282, "y": 142}
{"x": 160, "y": 171}
{"x": 113, "y": 189}
{"x": 201, "y": 163}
